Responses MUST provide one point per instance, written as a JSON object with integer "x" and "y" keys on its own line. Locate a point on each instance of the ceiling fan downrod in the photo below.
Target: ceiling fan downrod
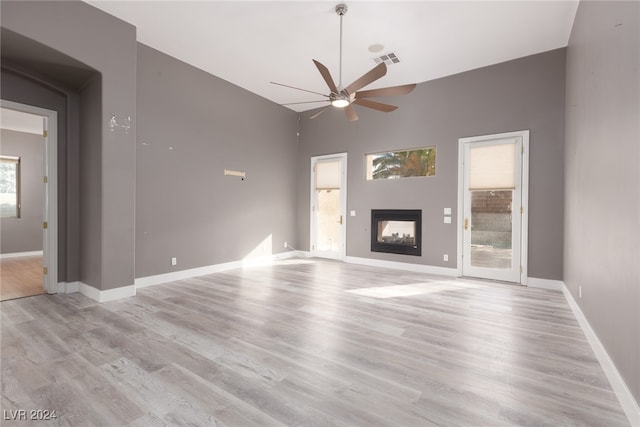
{"x": 341, "y": 9}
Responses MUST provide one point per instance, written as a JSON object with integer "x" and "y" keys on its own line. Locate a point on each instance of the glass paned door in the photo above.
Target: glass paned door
{"x": 492, "y": 209}
{"x": 328, "y": 205}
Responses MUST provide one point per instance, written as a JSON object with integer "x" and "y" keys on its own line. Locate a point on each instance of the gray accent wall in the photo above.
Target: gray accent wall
{"x": 24, "y": 234}
{"x": 524, "y": 94}
{"x": 191, "y": 127}
{"x": 602, "y": 207}
{"x": 108, "y": 45}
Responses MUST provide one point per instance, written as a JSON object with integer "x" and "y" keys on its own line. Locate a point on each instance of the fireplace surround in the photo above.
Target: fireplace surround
{"x": 397, "y": 231}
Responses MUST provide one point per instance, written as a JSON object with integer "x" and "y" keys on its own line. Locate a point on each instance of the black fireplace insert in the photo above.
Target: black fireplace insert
{"x": 396, "y": 231}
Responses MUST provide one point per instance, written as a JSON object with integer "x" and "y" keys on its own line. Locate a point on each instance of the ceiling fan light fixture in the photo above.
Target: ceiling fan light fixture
{"x": 340, "y": 103}
{"x": 339, "y": 100}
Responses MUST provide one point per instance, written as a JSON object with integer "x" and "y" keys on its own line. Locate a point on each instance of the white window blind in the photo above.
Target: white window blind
{"x": 9, "y": 187}
{"x": 492, "y": 167}
{"x": 328, "y": 175}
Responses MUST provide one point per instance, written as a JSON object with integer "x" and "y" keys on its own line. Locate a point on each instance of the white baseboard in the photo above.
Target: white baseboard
{"x": 554, "y": 285}
{"x": 158, "y": 279}
{"x": 68, "y": 287}
{"x": 96, "y": 294}
{"x": 415, "y": 268}
{"x": 627, "y": 401}
{"x": 20, "y": 254}
{"x": 143, "y": 282}
{"x": 106, "y": 295}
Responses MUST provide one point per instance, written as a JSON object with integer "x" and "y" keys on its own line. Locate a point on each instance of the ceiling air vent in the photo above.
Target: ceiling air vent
{"x": 388, "y": 58}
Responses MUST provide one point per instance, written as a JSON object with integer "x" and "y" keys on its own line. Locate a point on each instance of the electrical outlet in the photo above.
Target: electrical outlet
{"x": 286, "y": 245}
{"x": 174, "y": 261}
{"x": 445, "y": 257}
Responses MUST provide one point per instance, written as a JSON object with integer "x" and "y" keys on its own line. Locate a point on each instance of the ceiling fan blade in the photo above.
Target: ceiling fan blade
{"x": 375, "y": 105}
{"x": 306, "y": 102}
{"x": 351, "y": 113}
{"x": 326, "y": 75}
{"x": 317, "y": 113}
{"x": 297, "y": 88}
{"x": 386, "y": 91}
{"x": 374, "y": 74}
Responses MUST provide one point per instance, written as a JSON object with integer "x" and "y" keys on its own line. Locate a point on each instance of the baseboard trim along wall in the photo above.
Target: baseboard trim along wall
{"x": 414, "y": 268}
{"x": 143, "y": 282}
{"x": 627, "y": 401}
{"x": 553, "y": 285}
{"x": 21, "y": 254}
{"x": 97, "y": 294}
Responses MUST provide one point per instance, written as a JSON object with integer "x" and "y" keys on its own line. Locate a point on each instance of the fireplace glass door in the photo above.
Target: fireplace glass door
{"x": 396, "y": 231}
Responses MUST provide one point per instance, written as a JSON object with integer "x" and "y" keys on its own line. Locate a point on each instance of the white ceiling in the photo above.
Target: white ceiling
{"x": 251, "y": 43}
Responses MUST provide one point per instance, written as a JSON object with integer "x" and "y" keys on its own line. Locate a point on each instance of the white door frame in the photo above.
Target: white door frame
{"x": 343, "y": 205}
{"x": 50, "y": 234}
{"x": 524, "y": 225}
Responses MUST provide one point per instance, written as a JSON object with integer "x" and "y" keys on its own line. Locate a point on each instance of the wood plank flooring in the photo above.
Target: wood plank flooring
{"x": 20, "y": 277}
{"x": 305, "y": 343}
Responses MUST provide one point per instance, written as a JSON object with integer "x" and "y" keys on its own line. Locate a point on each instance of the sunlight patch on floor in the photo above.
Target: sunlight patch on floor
{"x": 414, "y": 289}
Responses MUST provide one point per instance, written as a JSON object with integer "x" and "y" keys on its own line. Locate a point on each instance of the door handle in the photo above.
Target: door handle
{"x": 340, "y": 221}
{"x": 466, "y": 223}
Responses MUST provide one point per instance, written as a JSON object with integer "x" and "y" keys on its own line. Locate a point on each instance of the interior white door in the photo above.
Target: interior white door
{"x": 493, "y": 209}
{"x": 328, "y": 206}
{"x": 50, "y": 219}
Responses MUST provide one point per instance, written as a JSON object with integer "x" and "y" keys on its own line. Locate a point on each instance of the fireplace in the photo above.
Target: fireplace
{"x": 396, "y": 231}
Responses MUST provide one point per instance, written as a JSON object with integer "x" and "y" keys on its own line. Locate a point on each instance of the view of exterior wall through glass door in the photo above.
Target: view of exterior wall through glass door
{"x": 328, "y": 205}
{"x": 492, "y": 182}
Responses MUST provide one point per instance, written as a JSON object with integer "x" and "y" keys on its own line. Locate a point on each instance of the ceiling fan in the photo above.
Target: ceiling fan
{"x": 345, "y": 97}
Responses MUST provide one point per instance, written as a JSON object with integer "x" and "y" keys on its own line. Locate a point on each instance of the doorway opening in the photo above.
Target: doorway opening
{"x": 328, "y": 206}
{"x": 28, "y": 188}
{"x": 492, "y": 193}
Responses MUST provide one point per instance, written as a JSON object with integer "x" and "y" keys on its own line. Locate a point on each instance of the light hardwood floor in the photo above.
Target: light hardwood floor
{"x": 20, "y": 277}
{"x": 306, "y": 343}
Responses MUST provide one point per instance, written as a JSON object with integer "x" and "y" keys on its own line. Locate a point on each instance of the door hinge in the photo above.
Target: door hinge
{"x": 45, "y": 179}
{"x": 521, "y": 269}
{"x": 45, "y": 225}
{"x": 45, "y": 133}
{"x": 45, "y": 270}
{"x": 521, "y": 210}
{"x": 522, "y": 149}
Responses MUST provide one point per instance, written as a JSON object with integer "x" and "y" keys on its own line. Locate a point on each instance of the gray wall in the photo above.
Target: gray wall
{"x": 602, "y": 231}
{"x": 107, "y": 45}
{"x": 91, "y": 202}
{"x": 24, "y": 234}
{"x": 192, "y": 126}
{"x": 527, "y": 93}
